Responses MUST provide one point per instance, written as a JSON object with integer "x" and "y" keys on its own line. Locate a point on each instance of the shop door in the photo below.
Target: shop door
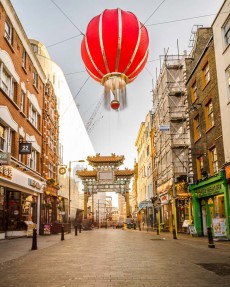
{"x": 204, "y": 217}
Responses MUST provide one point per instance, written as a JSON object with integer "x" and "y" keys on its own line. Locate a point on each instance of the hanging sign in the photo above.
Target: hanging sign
{"x": 25, "y": 148}
{"x": 62, "y": 170}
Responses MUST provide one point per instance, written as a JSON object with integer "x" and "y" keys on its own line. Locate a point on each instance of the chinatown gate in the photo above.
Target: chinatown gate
{"x": 106, "y": 177}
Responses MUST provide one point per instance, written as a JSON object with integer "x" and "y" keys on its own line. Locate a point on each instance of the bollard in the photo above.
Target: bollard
{"x": 134, "y": 226}
{"x": 174, "y": 233}
{"x": 62, "y": 233}
{"x": 210, "y": 238}
{"x": 34, "y": 242}
{"x": 80, "y": 228}
{"x": 158, "y": 228}
{"x": 76, "y": 230}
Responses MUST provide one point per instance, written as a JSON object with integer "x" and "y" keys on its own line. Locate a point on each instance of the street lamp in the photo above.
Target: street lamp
{"x": 69, "y": 170}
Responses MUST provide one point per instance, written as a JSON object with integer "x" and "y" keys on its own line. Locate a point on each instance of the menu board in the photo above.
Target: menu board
{"x": 219, "y": 227}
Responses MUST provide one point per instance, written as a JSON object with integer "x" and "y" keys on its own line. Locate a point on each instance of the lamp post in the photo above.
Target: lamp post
{"x": 69, "y": 170}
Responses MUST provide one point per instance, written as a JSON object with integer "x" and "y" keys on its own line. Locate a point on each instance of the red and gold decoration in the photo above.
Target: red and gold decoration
{"x": 115, "y": 50}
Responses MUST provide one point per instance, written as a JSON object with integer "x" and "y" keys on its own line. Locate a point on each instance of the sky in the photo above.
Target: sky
{"x": 58, "y": 24}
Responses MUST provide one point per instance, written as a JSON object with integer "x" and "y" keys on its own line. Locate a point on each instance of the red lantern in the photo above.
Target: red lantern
{"x": 115, "y": 50}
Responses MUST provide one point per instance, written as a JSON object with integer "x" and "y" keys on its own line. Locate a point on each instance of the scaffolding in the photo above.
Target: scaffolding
{"x": 171, "y": 138}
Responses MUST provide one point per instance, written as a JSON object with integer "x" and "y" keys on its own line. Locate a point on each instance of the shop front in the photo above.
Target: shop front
{"x": 19, "y": 202}
{"x": 211, "y": 206}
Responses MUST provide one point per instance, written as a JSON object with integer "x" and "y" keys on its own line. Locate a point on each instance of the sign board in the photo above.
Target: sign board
{"x": 186, "y": 223}
{"x": 47, "y": 229}
{"x": 25, "y": 148}
{"x": 30, "y": 228}
{"x": 219, "y": 227}
{"x": 227, "y": 171}
{"x": 164, "y": 128}
{"x": 192, "y": 229}
{"x": 145, "y": 203}
{"x": 4, "y": 158}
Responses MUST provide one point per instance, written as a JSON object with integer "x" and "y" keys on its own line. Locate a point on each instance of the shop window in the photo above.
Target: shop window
{"x": 205, "y": 75}
{"x": 29, "y": 205}
{"x": 213, "y": 161}
{"x": 219, "y": 206}
{"x": 194, "y": 92}
{"x": 13, "y": 205}
{"x": 209, "y": 116}
{"x": 197, "y": 131}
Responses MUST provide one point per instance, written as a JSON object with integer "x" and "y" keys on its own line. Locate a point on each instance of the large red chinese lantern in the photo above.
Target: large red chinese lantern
{"x": 115, "y": 50}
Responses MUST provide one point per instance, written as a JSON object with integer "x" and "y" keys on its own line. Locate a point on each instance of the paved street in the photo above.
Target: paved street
{"x": 112, "y": 257}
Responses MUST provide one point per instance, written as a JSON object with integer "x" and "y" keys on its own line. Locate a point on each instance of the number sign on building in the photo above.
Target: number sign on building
{"x": 25, "y": 148}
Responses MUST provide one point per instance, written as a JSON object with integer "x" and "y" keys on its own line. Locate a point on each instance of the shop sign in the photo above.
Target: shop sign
{"x": 164, "y": 198}
{"x": 25, "y": 148}
{"x": 6, "y": 171}
{"x": 219, "y": 226}
{"x": 4, "y": 158}
{"x": 145, "y": 203}
{"x": 227, "y": 171}
{"x": 164, "y": 187}
{"x": 210, "y": 190}
{"x": 34, "y": 183}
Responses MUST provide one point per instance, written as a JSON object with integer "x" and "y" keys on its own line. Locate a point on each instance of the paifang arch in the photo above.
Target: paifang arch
{"x": 106, "y": 177}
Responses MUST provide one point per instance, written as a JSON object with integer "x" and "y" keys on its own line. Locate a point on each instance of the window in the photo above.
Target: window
{"x": 5, "y": 138}
{"x": 200, "y": 166}
{"x": 32, "y": 163}
{"x": 35, "y": 48}
{"x": 35, "y": 79}
{"x": 7, "y": 83}
{"x": 228, "y": 81}
{"x": 33, "y": 116}
{"x": 205, "y": 74}
{"x": 213, "y": 161}
{"x": 50, "y": 170}
{"x": 2, "y": 138}
{"x": 209, "y": 115}
{"x": 8, "y": 31}
{"x": 24, "y": 58}
{"x": 197, "y": 131}
{"x": 194, "y": 91}
{"x": 22, "y": 102}
{"x": 226, "y": 30}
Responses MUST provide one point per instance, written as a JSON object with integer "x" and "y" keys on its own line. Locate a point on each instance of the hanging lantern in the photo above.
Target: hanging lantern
{"x": 114, "y": 51}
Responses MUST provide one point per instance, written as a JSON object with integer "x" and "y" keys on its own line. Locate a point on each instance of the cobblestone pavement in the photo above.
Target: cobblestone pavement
{"x": 112, "y": 257}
